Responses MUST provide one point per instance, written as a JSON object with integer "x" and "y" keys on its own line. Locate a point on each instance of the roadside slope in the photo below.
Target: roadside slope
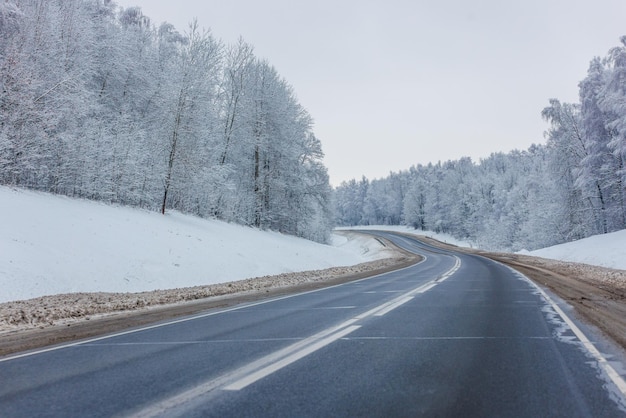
{"x": 53, "y": 245}
{"x": 48, "y": 320}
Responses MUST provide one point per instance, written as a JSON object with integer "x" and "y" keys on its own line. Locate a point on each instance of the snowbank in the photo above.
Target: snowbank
{"x": 448, "y": 239}
{"x": 607, "y": 250}
{"x": 52, "y": 244}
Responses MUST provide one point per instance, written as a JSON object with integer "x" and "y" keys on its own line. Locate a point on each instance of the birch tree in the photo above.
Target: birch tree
{"x": 194, "y": 70}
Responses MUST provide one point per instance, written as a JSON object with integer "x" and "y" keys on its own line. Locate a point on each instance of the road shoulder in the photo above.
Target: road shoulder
{"x": 56, "y": 319}
{"x": 597, "y": 294}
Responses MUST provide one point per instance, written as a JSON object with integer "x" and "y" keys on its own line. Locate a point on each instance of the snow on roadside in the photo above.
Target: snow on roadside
{"x": 53, "y": 244}
{"x": 448, "y": 239}
{"x": 607, "y": 250}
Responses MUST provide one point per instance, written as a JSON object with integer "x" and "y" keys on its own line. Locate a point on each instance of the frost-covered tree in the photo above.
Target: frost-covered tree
{"x": 567, "y": 149}
{"x": 596, "y": 168}
{"x": 188, "y": 120}
{"x": 572, "y": 187}
{"x": 414, "y": 204}
{"x": 384, "y": 201}
{"x": 98, "y": 103}
{"x": 612, "y": 102}
{"x": 349, "y": 202}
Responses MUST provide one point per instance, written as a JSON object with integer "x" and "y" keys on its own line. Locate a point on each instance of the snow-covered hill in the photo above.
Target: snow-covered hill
{"x": 607, "y": 250}
{"x": 51, "y": 244}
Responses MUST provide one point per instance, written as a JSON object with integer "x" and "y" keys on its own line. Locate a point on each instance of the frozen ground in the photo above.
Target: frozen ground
{"x": 52, "y": 245}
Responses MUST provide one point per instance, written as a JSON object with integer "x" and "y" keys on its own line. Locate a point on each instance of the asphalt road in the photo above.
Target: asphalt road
{"x": 455, "y": 335}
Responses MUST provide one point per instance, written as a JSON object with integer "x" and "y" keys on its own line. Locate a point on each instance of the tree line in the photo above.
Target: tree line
{"x": 571, "y": 187}
{"x": 99, "y": 103}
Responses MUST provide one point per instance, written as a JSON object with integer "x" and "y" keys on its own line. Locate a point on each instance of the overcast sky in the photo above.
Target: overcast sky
{"x": 395, "y": 83}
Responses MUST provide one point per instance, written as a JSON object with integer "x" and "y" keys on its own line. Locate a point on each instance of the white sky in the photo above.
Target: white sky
{"x": 395, "y": 83}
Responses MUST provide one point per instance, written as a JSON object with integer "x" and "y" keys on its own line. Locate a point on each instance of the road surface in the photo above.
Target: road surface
{"x": 455, "y": 335}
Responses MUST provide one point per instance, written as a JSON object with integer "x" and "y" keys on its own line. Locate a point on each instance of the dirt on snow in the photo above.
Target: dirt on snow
{"x": 598, "y": 294}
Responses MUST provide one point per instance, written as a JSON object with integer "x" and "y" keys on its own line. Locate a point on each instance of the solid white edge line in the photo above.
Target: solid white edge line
{"x": 615, "y": 377}
{"x": 603, "y": 363}
{"x": 186, "y": 319}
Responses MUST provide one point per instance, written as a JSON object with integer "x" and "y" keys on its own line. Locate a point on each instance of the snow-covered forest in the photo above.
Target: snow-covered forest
{"x": 99, "y": 103}
{"x": 572, "y": 187}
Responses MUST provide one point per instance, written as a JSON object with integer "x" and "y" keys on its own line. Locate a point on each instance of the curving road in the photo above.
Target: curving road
{"x": 455, "y": 335}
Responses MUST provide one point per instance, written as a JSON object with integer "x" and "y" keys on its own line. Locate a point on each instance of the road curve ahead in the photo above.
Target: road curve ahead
{"x": 454, "y": 335}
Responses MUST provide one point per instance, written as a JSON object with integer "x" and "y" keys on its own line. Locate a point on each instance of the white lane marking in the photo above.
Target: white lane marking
{"x": 404, "y": 298}
{"x": 394, "y": 303}
{"x": 426, "y": 288}
{"x": 187, "y": 319}
{"x": 275, "y": 366}
{"x": 384, "y": 291}
{"x": 231, "y": 341}
{"x": 271, "y": 363}
{"x": 393, "y": 306}
{"x": 603, "y": 363}
{"x": 304, "y": 309}
{"x": 294, "y": 351}
{"x": 446, "y": 275}
{"x": 250, "y": 373}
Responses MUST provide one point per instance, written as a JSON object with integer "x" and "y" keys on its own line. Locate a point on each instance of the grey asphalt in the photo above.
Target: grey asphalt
{"x": 456, "y": 335}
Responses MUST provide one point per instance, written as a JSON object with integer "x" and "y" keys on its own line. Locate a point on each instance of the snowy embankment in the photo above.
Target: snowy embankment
{"x": 52, "y": 244}
{"x": 448, "y": 239}
{"x": 607, "y": 250}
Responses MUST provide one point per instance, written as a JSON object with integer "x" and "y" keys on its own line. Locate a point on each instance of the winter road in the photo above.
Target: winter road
{"x": 455, "y": 335}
